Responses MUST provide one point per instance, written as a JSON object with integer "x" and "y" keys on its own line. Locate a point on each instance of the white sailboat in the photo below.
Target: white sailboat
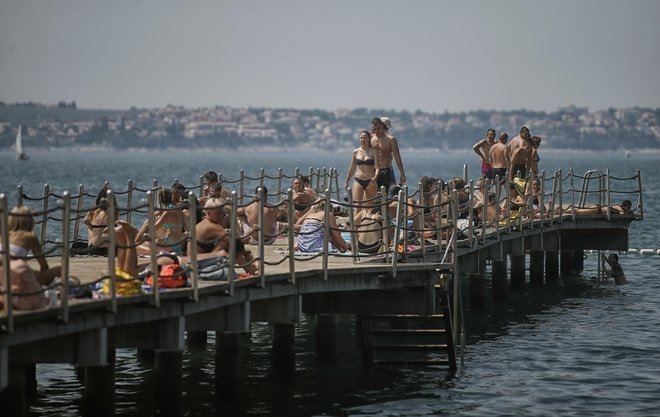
{"x": 20, "y": 155}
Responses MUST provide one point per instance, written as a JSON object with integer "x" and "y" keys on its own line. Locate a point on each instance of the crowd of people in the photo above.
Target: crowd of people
{"x": 371, "y": 170}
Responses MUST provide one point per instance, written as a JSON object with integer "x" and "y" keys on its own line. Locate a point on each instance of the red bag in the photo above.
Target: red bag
{"x": 171, "y": 276}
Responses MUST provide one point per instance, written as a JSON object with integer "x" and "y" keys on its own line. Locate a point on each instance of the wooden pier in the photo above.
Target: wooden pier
{"x": 420, "y": 285}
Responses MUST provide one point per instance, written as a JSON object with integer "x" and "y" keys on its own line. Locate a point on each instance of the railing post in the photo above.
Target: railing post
{"x": 6, "y": 271}
{"x": 79, "y": 205}
{"x": 608, "y": 199}
{"x": 241, "y": 188}
{"x": 353, "y": 228}
{"x": 397, "y": 230}
{"x": 404, "y": 224}
{"x": 561, "y": 198}
{"x": 453, "y": 206}
{"x": 232, "y": 243}
{"x": 325, "y": 179}
{"x": 129, "y": 201}
{"x": 201, "y": 186}
{"x": 112, "y": 249}
{"x": 280, "y": 174}
{"x": 262, "y": 175}
{"x": 44, "y": 214}
{"x": 192, "y": 208}
{"x": 261, "y": 245}
{"x": 386, "y": 224}
{"x": 151, "y": 227}
{"x": 290, "y": 235}
{"x": 640, "y": 201}
{"x": 66, "y": 223}
{"x": 326, "y": 235}
{"x": 337, "y": 190}
{"x": 19, "y": 195}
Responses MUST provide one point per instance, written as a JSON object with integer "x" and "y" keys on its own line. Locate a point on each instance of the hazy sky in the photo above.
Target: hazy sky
{"x": 402, "y": 55}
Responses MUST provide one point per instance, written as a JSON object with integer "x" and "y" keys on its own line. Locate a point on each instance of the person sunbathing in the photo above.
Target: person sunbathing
{"x": 312, "y": 231}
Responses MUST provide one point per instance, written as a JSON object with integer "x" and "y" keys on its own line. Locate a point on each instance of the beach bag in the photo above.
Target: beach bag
{"x": 171, "y": 276}
{"x": 213, "y": 269}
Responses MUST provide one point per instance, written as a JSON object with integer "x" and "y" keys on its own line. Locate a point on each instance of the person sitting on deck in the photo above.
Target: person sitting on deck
{"x": 170, "y": 225}
{"x": 424, "y": 216}
{"x": 96, "y": 220}
{"x": 302, "y": 199}
{"x": 24, "y": 281}
{"x": 22, "y": 235}
{"x": 616, "y": 270}
{"x": 249, "y": 218}
{"x": 369, "y": 225}
{"x": 312, "y": 231}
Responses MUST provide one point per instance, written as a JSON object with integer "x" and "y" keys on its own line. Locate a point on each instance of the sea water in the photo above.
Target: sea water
{"x": 574, "y": 348}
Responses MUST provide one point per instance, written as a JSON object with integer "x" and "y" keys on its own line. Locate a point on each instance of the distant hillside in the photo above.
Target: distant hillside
{"x": 567, "y": 128}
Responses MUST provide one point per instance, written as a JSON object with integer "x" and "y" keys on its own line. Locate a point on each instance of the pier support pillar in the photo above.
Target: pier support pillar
{"x": 566, "y": 263}
{"x": 476, "y": 287}
{"x": 196, "y": 338}
{"x": 517, "y": 271}
{"x": 284, "y": 355}
{"x": 227, "y": 362}
{"x": 578, "y": 261}
{"x": 551, "y": 266}
{"x": 99, "y": 396}
{"x": 499, "y": 279}
{"x": 168, "y": 374}
{"x": 536, "y": 267}
{"x": 147, "y": 355}
{"x": 326, "y": 337}
{"x": 13, "y": 398}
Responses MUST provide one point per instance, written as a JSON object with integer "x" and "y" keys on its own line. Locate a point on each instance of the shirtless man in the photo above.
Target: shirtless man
{"x": 211, "y": 235}
{"x": 521, "y": 160}
{"x": 498, "y": 156}
{"x": 482, "y": 148}
{"x": 387, "y": 147}
{"x": 249, "y": 218}
{"x": 302, "y": 199}
{"x": 518, "y": 141}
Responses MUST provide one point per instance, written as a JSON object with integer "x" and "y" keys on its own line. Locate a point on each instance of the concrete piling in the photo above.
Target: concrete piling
{"x": 326, "y": 337}
{"x": 536, "y": 267}
{"x": 499, "y": 279}
{"x": 517, "y": 271}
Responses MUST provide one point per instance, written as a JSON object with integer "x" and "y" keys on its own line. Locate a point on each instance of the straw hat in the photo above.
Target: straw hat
{"x": 386, "y": 121}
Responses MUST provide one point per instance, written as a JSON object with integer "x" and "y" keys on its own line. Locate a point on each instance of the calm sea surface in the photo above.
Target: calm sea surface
{"x": 576, "y": 348}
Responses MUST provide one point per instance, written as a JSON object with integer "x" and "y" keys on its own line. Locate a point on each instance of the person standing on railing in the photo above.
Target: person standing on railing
{"x": 364, "y": 165}
{"x": 499, "y": 157}
{"x": 482, "y": 148}
{"x": 518, "y": 141}
{"x": 521, "y": 159}
{"x": 387, "y": 147}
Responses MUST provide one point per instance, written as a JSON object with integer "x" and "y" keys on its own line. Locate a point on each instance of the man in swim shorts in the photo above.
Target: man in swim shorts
{"x": 482, "y": 148}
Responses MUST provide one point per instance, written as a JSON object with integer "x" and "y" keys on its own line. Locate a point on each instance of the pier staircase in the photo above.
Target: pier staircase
{"x": 409, "y": 339}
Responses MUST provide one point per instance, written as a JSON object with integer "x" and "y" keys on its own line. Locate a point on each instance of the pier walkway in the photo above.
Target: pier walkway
{"x": 414, "y": 278}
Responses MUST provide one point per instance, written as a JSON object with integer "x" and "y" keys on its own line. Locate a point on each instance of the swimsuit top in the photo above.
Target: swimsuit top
{"x": 16, "y": 251}
{"x": 365, "y": 162}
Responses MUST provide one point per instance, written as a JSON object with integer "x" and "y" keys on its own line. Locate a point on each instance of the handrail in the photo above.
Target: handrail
{"x": 446, "y": 230}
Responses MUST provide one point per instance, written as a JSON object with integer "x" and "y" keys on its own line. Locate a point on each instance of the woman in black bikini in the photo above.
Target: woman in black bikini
{"x": 364, "y": 165}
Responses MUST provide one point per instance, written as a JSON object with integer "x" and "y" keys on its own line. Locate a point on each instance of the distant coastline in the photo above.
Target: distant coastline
{"x": 570, "y": 128}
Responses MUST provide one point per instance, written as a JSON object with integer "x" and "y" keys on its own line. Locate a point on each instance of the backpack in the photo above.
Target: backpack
{"x": 171, "y": 276}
